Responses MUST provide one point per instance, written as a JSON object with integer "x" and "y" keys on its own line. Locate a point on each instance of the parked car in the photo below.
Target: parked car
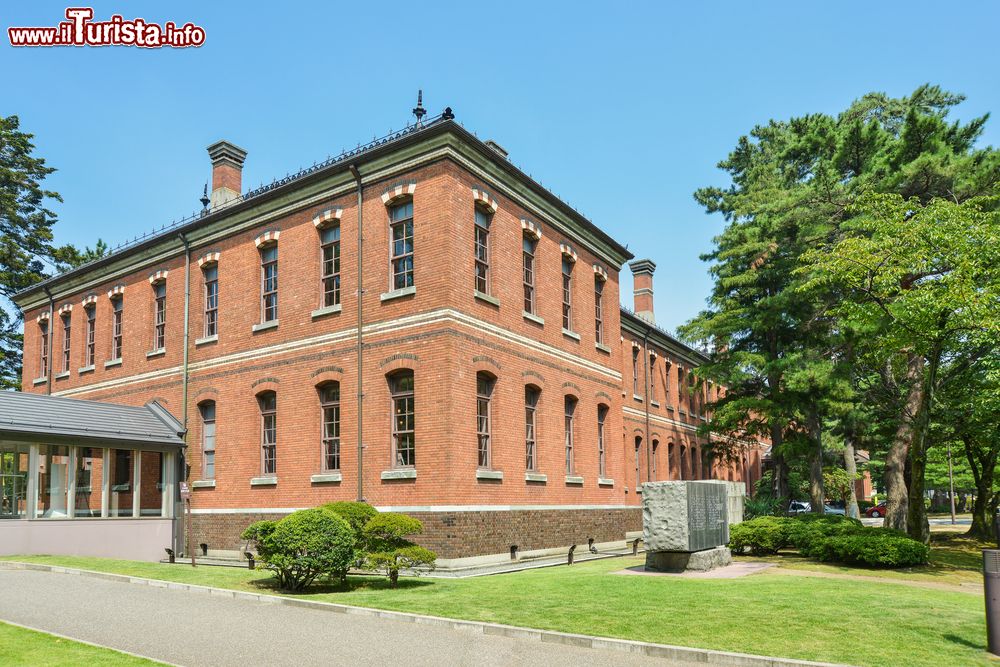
{"x": 799, "y": 507}
{"x": 830, "y": 509}
{"x": 876, "y": 512}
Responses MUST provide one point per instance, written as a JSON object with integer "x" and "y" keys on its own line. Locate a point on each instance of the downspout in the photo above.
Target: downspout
{"x": 51, "y": 336}
{"x": 187, "y": 334}
{"x": 645, "y": 403}
{"x": 361, "y": 294}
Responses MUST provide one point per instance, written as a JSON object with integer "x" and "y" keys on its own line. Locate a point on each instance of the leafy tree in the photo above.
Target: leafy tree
{"x": 357, "y": 515}
{"x": 839, "y": 483}
{"x": 27, "y": 254}
{"x": 389, "y": 550}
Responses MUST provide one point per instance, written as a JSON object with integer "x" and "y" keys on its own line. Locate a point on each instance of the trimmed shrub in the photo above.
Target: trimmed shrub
{"x": 805, "y": 529}
{"x": 388, "y": 549}
{"x": 761, "y": 536}
{"x": 357, "y": 516}
{"x": 874, "y": 547}
{"x": 303, "y": 546}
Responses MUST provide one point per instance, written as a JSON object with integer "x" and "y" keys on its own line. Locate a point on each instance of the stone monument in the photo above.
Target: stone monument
{"x": 685, "y": 525}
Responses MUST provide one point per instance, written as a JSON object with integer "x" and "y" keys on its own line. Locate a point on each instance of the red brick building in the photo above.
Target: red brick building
{"x": 497, "y": 370}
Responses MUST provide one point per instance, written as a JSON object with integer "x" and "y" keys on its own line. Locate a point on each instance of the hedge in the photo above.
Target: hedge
{"x": 874, "y": 547}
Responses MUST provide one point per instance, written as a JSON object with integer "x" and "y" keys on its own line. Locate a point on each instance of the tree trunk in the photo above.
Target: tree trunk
{"x": 894, "y": 476}
{"x": 779, "y": 483}
{"x": 983, "y": 469}
{"x": 851, "y": 466}
{"x": 817, "y": 498}
{"x": 916, "y": 518}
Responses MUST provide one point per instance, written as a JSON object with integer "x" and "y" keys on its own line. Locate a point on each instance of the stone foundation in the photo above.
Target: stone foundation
{"x": 464, "y": 534}
{"x": 678, "y": 561}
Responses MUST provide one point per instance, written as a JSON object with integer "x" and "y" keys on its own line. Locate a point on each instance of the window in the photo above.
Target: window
{"x": 89, "y": 482}
{"x": 528, "y": 246}
{"x": 43, "y": 363}
{"x": 635, "y": 371}
{"x": 652, "y": 377}
{"x": 66, "y": 338}
{"x": 207, "y": 410}
{"x": 598, "y": 307}
{"x": 116, "y": 328}
{"x": 680, "y": 385}
{"x": 160, "y": 316}
{"x": 269, "y": 284}
{"x": 567, "y": 290}
{"x": 330, "y": 279}
{"x": 401, "y": 251}
{"x": 484, "y": 394}
{"x": 482, "y": 243}
{"x": 268, "y": 402}
{"x": 329, "y": 400}
{"x": 403, "y": 445}
{"x": 531, "y": 395}
{"x": 88, "y": 356}
{"x": 570, "y": 405}
{"x": 602, "y": 414}
{"x": 638, "y": 446}
{"x": 211, "y": 275}
{"x": 122, "y": 477}
{"x": 656, "y": 444}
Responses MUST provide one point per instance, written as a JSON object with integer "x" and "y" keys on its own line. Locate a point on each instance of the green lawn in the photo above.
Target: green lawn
{"x": 27, "y": 648}
{"x": 861, "y": 623}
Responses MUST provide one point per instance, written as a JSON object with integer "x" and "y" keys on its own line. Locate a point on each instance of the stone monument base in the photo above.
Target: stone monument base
{"x": 679, "y": 561}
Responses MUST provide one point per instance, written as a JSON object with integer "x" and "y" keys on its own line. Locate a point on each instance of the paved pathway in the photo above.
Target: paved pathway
{"x": 187, "y": 628}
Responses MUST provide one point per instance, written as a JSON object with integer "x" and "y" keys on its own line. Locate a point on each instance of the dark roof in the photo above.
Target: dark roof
{"x": 660, "y": 336}
{"x": 442, "y": 123}
{"x": 57, "y": 420}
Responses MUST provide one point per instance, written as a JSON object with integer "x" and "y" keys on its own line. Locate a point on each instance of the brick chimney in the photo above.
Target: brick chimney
{"x": 227, "y": 172}
{"x": 642, "y": 283}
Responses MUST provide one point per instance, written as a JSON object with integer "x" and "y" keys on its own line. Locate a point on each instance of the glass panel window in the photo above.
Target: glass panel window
{"x": 329, "y": 397}
{"x": 656, "y": 444}
{"x": 530, "y": 430}
{"x": 13, "y": 481}
{"x": 212, "y": 300}
{"x": 116, "y": 328}
{"x": 598, "y": 310}
{"x": 122, "y": 483}
{"x": 635, "y": 371}
{"x": 88, "y": 356}
{"x": 652, "y": 377}
{"x": 602, "y": 414}
{"x": 53, "y": 481}
{"x": 151, "y": 483}
{"x": 567, "y": 292}
{"x": 330, "y": 273}
{"x": 401, "y": 251}
{"x": 89, "y": 482}
{"x": 570, "y": 411}
{"x": 207, "y": 410}
{"x": 528, "y": 255}
{"x": 66, "y": 341}
{"x": 482, "y": 249}
{"x": 43, "y": 360}
{"x": 268, "y": 432}
{"x": 484, "y": 396}
{"x": 269, "y": 283}
{"x": 638, "y": 446}
{"x": 403, "y": 442}
{"x": 160, "y": 317}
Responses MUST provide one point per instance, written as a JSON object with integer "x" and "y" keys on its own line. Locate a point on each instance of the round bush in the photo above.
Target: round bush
{"x": 805, "y": 529}
{"x": 355, "y": 513}
{"x": 874, "y": 547}
{"x": 303, "y": 546}
{"x": 761, "y": 536}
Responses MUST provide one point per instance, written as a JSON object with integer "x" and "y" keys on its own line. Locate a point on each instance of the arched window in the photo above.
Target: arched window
{"x": 635, "y": 371}
{"x": 638, "y": 477}
{"x": 656, "y": 455}
{"x": 207, "y": 411}
{"x": 570, "y": 411}
{"x": 403, "y": 433}
{"x": 88, "y": 354}
{"x": 599, "y": 309}
{"x": 602, "y": 414}
{"x": 401, "y": 245}
{"x": 67, "y": 324}
{"x": 528, "y": 261}
{"x": 269, "y": 283}
{"x": 43, "y": 362}
{"x": 682, "y": 469}
{"x": 481, "y": 230}
{"x": 567, "y": 293}
{"x": 211, "y": 276}
{"x": 159, "y": 315}
{"x": 329, "y": 238}
{"x": 117, "y": 307}
{"x": 484, "y": 399}
{"x": 268, "y": 402}
{"x": 329, "y": 401}
{"x": 531, "y": 396}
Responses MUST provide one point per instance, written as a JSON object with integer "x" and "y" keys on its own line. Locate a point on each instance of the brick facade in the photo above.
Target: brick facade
{"x": 444, "y": 332}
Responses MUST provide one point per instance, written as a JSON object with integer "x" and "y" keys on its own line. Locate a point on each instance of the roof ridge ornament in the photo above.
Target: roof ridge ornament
{"x": 419, "y": 111}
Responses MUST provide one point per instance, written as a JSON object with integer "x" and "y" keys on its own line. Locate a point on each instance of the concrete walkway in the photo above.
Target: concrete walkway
{"x": 189, "y": 629}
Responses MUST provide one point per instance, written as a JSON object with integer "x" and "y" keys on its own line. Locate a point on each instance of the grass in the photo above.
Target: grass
{"x": 954, "y": 560}
{"x": 835, "y": 620}
{"x": 20, "y": 647}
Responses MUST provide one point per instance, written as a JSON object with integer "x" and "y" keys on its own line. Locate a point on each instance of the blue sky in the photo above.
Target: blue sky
{"x": 623, "y": 109}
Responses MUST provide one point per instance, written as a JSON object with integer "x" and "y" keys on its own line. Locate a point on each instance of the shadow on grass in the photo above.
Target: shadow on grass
{"x": 955, "y": 639}
{"x": 329, "y": 586}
